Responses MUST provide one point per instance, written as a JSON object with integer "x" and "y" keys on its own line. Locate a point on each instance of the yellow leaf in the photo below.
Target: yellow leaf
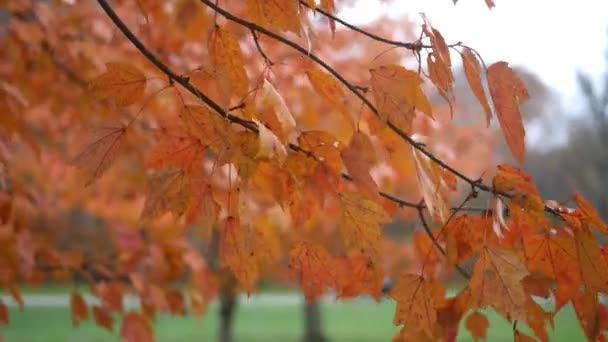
{"x": 496, "y": 282}
{"x": 472, "y": 70}
{"x": 312, "y": 265}
{"x": 329, "y": 88}
{"x": 121, "y": 83}
{"x": 275, "y": 13}
{"x": 229, "y": 63}
{"x": 359, "y": 157}
{"x": 270, "y": 145}
{"x": 397, "y": 93}
{"x": 432, "y": 186}
{"x": 508, "y": 93}
{"x": 415, "y": 303}
{"x": 361, "y": 224}
{"x": 441, "y": 76}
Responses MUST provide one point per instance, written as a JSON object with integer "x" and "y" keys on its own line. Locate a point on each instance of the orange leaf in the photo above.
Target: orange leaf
{"x": 416, "y": 303}
{"x": 3, "y": 313}
{"x": 16, "y": 294}
{"x": 229, "y": 63}
{"x": 110, "y": 295}
{"x": 282, "y": 15}
{"x": 101, "y": 154}
{"x": 211, "y": 129}
{"x": 236, "y": 254}
{"x": 121, "y": 83}
{"x": 537, "y": 318}
{"x": 432, "y": 186}
{"x": 175, "y": 300}
{"x": 201, "y": 206}
{"x": 361, "y": 224}
{"x": 442, "y": 77}
{"x": 397, "y": 93}
{"x": 329, "y": 88}
{"x": 136, "y": 328}
{"x": 359, "y": 156}
{"x": 521, "y": 337}
{"x": 465, "y": 236}
{"x": 594, "y": 269}
{"x": 357, "y": 275}
{"x": 313, "y": 268}
{"x": 586, "y": 306}
{"x": 496, "y": 281}
{"x": 472, "y": 70}
{"x": 277, "y": 102}
{"x": 103, "y": 318}
{"x": 79, "y": 309}
{"x": 590, "y": 213}
{"x": 168, "y": 191}
{"x": 508, "y": 92}
{"x": 324, "y": 146}
{"x": 477, "y": 324}
{"x": 176, "y": 148}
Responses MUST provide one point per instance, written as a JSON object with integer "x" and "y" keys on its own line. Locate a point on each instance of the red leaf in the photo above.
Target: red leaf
{"x": 136, "y": 328}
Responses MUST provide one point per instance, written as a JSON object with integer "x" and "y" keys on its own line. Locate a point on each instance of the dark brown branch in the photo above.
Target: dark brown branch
{"x": 267, "y": 60}
{"x": 415, "y": 46}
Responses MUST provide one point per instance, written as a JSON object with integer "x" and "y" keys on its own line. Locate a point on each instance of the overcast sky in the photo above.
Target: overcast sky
{"x": 552, "y": 38}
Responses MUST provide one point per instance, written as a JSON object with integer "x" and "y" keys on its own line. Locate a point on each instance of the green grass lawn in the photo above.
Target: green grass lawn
{"x": 354, "y": 321}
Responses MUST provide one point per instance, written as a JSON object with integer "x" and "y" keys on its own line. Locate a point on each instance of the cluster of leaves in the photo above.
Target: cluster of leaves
{"x": 266, "y": 157}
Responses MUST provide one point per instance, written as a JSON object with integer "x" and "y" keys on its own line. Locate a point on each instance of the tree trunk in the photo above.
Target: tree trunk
{"x": 312, "y": 323}
{"x": 228, "y": 303}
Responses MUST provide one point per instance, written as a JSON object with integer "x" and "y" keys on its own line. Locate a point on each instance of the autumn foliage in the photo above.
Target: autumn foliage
{"x": 229, "y": 141}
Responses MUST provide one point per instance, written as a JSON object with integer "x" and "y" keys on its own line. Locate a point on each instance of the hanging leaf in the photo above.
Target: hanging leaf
{"x": 3, "y": 313}
{"x": 237, "y": 254}
{"x": 97, "y": 158}
{"x": 270, "y": 145}
{"x": 594, "y": 269}
{"x": 361, "y": 224}
{"x": 508, "y": 93}
{"x": 211, "y": 129}
{"x": 472, "y": 71}
{"x": 103, "y": 318}
{"x": 397, "y": 93}
{"x": 176, "y": 148}
{"x": 284, "y": 116}
{"x": 79, "y": 309}
{"x": 330, "y": 89}
{"x": 496, "y": 282}
{"x": 416, "y": 301}
{"x": 229, "y": 63}
{"x": 312, "y": 266}
{"x": 357, "y": 275}
{"x": 442, "y": 77}
{"x": 359, "y": 157}
{"x": 168, "y": 191}
{"x": 431, "y": 186}
{"x": 477, "y": 324}
{"x": 282, "y": 15}
{"x": 324, "y": 147}
{"x": 136, "y": 328}
{"x": 590, "y": 213}
{"x": 122, "y": 83}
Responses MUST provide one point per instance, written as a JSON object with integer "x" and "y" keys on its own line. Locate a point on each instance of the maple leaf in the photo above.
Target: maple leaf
{"x": 176, "y": 148}
{"x": 431, "y": 185}
{"x": 270, "y": 145}
{"x": 136, "y": 328}
{"x": 97, "y": 158}
{"x": 312, "y": 265}
{"x": 283, "y": 114}
{"x": 442, "y": 77}
{"x": 587, "y": 309}
{"x": 472, "y": 70}
{"x": 465, "y": 235}
{"x": 508, "y": 93}
{"x": 103, "y": 317}
{"x": 477, "y": 324}
{"x": 509, "y": 178}
{"x": 202, "y": 208}
{"x": 397, "y": 93}
{"x": 78, "y": 307}
{"x": 330, "y": 89}
{"x": 122, "y": 83}
{"x": 594, "y": 269}
{"x": 229, "y": 63}
{"x": 282, "y": 15}
{"x": 211, "y": 129}
{"x": 361, "y": 223}
{"x": 521, "y": 337}
{"x": 356, "y": 275}
{"x": 496, "y": 281}
{"x": 324, "y": 146}
{"x": 416, "y": 300}
{"x": 590, "y": 213}
{"x": 237, "y": 254}
{"x": 4, "y": 317}
{"x": 168, "y": 191}
{"x": 358, "y": 157}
